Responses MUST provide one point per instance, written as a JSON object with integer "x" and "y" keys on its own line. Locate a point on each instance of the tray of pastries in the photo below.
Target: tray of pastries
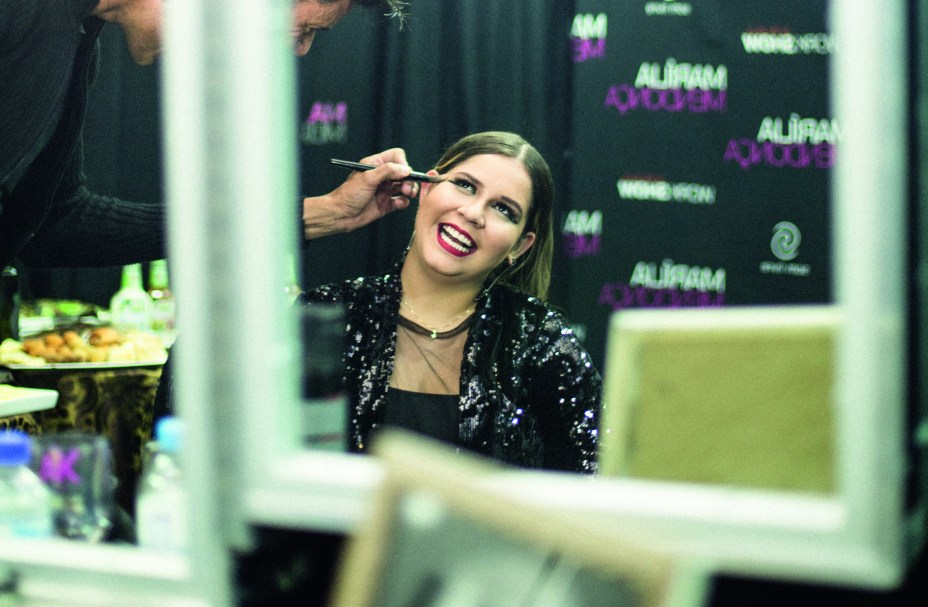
{"x": 83, "y": 347}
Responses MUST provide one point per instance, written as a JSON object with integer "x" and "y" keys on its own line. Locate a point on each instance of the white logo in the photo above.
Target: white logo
{"x": 588, "y": 26}
{"x": 668, "y": 7}
{"x": 785, "y": 241}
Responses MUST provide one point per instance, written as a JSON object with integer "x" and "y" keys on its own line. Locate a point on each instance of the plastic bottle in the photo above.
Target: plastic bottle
{"x": 163, "y": 306}
{"x": 9, "y": 303}
{"x": 161, "y": 503}
{"x": 25, "y": 501}
{"x": 130, "y": 307}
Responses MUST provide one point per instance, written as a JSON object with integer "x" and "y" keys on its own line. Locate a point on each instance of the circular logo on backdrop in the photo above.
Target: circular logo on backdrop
{"x": 785, "y": 241}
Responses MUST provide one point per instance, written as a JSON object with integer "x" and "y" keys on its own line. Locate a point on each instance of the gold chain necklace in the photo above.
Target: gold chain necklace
{"x": 436, "y": 330}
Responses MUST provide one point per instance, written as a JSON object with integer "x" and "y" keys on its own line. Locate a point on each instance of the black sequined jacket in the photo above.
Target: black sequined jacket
{"x": 529, "y": 394}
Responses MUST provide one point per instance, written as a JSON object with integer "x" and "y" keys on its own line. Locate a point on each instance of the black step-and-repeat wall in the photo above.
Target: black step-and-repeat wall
{"x": 702, "y": 146}
{"x": 691, "y": 142}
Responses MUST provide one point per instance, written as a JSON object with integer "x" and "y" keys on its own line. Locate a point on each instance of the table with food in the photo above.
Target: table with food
{"x": 105, "y": 380}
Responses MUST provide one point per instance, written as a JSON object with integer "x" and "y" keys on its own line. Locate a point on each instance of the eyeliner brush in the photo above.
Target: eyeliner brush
{"x": 357, "y": 166}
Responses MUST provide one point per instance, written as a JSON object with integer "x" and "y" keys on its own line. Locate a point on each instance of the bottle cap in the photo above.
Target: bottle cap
{"x": 14, "y": 448}
{"x": 169, "y": 433}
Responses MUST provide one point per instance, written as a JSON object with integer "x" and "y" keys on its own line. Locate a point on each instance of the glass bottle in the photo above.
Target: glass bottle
{"x": 130, "y": 307}
{"x": 163, "y": 306}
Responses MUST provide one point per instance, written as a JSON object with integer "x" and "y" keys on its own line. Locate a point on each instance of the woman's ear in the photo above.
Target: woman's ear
{"x": 525, "y": 243}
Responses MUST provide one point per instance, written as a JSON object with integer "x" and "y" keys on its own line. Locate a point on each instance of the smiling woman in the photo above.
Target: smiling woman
{"x": 456, "y": 342}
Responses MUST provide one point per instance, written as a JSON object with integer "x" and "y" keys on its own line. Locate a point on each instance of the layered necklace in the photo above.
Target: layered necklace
{"x": 435, "y": 332}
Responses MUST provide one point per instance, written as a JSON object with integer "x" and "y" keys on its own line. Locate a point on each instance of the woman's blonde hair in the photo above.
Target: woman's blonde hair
{"x": 530, "y": 273}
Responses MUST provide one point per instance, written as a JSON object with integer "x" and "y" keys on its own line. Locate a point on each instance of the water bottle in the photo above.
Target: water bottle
{"x": 161, "y": 503}
{"x": 25, "y": 501}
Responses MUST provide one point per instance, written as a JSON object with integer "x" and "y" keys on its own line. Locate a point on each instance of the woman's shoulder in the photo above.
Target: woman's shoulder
{"x": 530, "y": 309}
{"x": 539, "y": 328}
{"x": 350, "y": 289}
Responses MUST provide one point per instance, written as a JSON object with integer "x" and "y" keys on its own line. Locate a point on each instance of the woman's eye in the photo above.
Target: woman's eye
{"x": 510, "y": 213}
{"x": 465, "y": 184}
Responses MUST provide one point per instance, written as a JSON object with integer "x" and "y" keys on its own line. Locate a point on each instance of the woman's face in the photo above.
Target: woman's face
{"x": 473, "y": 220}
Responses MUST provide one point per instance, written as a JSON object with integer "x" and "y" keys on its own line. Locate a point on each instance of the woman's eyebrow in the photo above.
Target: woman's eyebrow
{"x": 471, "y": 177}
{"x": 480, "y": 183}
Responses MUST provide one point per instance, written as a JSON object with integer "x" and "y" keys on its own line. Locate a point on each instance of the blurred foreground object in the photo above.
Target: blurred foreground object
{"x": 444, "y": 531}
{"x": 25, "y": 502}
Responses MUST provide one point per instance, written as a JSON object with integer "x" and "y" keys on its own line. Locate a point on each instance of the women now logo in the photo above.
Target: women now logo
{"x": 781, "y": 41}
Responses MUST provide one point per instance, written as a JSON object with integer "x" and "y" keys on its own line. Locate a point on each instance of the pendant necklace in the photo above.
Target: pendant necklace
{"x": 435, "y": 333}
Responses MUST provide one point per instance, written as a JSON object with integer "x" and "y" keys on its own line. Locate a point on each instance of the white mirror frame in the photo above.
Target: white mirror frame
{"x": 861, "y": 537}
{"x": 228, "y": 102}
{"x": 231, "y": 169}
{"x": 857, "y": 538}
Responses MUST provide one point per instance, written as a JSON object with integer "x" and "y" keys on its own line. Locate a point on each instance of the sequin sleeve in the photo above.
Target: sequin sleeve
{"x": 566, "y": 390}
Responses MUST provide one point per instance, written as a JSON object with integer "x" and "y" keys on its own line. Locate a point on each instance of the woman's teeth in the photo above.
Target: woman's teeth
{"x": 456, "y": 239}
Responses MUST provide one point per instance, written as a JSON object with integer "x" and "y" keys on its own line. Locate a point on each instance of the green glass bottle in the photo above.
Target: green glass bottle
{"x": 130, "y": 307}
{"x": 163, "y": 307}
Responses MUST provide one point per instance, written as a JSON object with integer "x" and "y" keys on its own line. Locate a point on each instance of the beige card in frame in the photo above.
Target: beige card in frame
{"x": 740, "y": 397}
{"x": 441, "y": 535}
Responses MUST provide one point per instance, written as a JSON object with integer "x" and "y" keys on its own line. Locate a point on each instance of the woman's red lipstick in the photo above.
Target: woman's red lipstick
{"x": 455, "y": 240}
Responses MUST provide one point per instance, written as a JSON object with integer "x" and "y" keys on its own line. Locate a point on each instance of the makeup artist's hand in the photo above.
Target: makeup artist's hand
{"x": 364, "y": 197}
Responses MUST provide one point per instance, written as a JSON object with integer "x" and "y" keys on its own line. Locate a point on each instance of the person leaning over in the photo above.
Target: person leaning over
{"x": 48, "y": 60}
{"x": 358, "y": 201}
{"x": 456, "y": 342}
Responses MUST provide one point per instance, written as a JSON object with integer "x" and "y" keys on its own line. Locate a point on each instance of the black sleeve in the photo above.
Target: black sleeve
{"x": 87, "y": 229}
{"x": 567, "y": 389}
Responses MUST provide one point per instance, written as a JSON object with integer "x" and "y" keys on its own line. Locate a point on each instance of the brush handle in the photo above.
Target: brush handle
{"x": 357, "y": 166}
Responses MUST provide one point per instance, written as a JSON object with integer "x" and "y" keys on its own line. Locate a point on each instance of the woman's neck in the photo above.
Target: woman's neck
{"x": 435, "y": 299}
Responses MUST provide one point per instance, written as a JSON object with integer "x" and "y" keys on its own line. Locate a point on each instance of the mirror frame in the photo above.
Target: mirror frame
{"x": 237, "y": 371}
{"x": 859, "y": 537}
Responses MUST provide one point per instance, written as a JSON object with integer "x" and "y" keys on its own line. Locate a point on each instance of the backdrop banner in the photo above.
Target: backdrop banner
{"x": 691, "y": 142}
{"x": 702, "y": 146}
